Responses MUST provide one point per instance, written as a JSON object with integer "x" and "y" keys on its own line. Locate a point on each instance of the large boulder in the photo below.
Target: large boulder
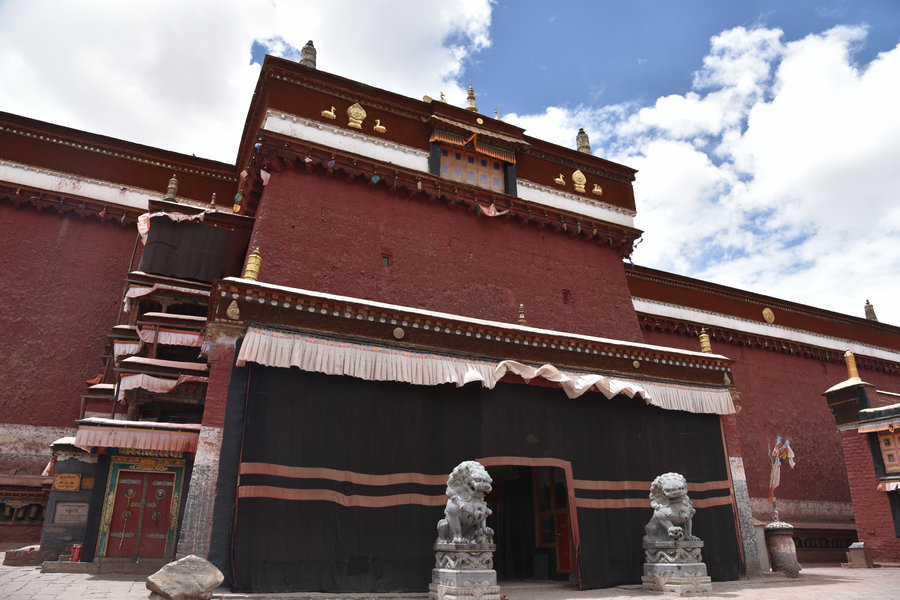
{"x": 189, "y": 578}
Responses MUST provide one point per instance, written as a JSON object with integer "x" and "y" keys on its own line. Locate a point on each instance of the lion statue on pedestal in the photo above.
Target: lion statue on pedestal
{"x": 466, "y": 509}
{"x": 672, "y": 510}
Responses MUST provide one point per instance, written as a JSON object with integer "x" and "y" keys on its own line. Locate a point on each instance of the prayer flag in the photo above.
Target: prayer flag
{"x": 779, "y": 453}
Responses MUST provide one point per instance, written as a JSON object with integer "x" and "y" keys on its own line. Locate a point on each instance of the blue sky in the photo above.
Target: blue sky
{"x": 558, "y": 53}
{"x": 766, "y": 133}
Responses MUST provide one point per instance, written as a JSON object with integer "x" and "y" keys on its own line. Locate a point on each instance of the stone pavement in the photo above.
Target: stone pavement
{"x": 814, "y": 583}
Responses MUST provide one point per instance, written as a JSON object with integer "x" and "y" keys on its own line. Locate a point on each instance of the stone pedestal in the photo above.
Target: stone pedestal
{"x": 464, "y": 572}
{"x": 675, "y": 567}
{"x": 782, "y": 551}
{"x": 858, "y": 556}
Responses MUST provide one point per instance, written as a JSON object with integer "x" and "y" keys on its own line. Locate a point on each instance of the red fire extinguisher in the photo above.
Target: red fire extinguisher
{"x": 76, "y": 552}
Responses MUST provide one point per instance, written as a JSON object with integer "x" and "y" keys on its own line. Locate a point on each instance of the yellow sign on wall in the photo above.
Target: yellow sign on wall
{"x": 67, "y": 482}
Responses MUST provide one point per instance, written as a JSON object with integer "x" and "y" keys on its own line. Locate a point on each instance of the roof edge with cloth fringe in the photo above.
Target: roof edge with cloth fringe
{"x": 284, "y": 349}
{"x": 142, "y": 435}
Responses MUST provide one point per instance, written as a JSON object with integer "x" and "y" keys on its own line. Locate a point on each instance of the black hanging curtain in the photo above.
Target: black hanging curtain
{"x": 342, "y": 480}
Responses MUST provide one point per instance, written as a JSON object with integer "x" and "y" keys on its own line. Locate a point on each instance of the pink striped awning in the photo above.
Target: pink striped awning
{"x": 143, "y": 435}
{"x": 876, "y": 427}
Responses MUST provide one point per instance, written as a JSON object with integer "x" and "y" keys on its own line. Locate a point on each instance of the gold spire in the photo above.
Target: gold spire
{"x": 470, "y": 100}
{"x": 852, "y": 373}
{"x": 705, "y": 346}
{"x": 522, "y": 314}
{"x": 251, "y": 272}
{"x": 173, "y": 188}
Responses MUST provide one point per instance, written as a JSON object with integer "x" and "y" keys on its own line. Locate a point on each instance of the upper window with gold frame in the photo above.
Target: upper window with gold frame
{"x": 889, "y": 441}
{"x": 467, "y": 160}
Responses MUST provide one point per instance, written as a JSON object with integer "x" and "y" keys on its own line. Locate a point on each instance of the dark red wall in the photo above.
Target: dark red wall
{"x": 327, "y": 234}
{"x": 61, "y": 287}
{"x": 872, "y": 510}
{"x": 781, "y": 395}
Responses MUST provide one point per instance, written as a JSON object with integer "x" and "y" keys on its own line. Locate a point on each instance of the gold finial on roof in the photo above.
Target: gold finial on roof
{"x": 173, "y": 188}
{"x": 251, "y": 272}
{"x": 470, "y": 100}
{"x": 212, "y": 201}
{"x": 705, "y": 345}
{"x": 870, "y": 311}
{"x": 852, "y": 372}
{"x": 522, "y": 314}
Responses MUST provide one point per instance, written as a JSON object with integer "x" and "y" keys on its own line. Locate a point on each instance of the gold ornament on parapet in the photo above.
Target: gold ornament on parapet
{"x": 768, "y": 315}
{"x": 579, "y": 180}
{"x": 357, "y": 115}
{"x": 597, "y": 189}
{"x": 233, "y": 312}
{"x": 379, "y": 128}
{"x": 560, "y": 180}
{"x": 329, "y": 114}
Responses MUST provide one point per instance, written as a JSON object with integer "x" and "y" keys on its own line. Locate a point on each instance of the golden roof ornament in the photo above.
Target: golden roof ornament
{"x": 356, "y": 115}
{"x": 582, "y": 143}
{"x": 579, "y": 180}
{"x": 308, "y": 55}
{"x": 173, "y": 188}
{"x": 705, "y": 345}
{"x": 254, "y": 261}
{"x": 212, "y": 201}
{"x": 870, "y": 311}
{"x": 852, "y": 372}
{"x": 521, "y": 314}
{"x": 470, "y": 100}
{"x": 233, "y": 312}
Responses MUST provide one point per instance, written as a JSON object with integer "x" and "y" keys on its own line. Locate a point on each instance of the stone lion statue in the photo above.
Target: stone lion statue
{"x": 672, "y": 510}
{"x": 466, "y": 509}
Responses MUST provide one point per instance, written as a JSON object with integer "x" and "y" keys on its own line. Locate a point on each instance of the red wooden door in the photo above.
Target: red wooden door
{"x": 139, "y": 526}
{"x": 563, "y": 543}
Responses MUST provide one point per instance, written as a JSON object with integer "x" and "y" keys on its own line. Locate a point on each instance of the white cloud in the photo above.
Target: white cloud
{"x": 776, "y": 173}
{"x": 178, "y": 76}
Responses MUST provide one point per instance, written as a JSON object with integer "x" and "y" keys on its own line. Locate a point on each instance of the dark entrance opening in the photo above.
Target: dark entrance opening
{"x": 531, "y": 523}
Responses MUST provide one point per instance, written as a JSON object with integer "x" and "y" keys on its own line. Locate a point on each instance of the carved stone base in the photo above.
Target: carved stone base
{"x": 681, "y": 586}
{"x": 464, "y": 572}
{"x": 437, "y": 591}
{"x": 675, "y": 567}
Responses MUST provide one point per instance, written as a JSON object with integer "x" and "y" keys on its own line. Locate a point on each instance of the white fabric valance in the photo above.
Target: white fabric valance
{"x": 284, "y": 349}
{"x": 375, "y": 363}
{"x": 157, "y": 385}
{"x": 170, "y": 336}
{"x": 136, "y": 291}
{"x": 126, "y": 348}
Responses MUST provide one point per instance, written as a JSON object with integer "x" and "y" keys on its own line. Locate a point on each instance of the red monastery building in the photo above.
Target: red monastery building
{"x": 275, "y": 364}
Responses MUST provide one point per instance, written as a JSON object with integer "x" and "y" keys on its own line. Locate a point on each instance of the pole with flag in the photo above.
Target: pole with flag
{"x": 779, "y": 453}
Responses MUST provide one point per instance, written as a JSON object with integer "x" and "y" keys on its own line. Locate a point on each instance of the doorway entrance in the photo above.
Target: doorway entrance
{"x": 139, "y": 525}
{"x": 531, "y": 523}
{"x": 140, "y": 515}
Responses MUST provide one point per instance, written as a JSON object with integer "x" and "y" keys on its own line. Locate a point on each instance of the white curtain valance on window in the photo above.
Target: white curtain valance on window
{"x": 136, "y": 291}
{"x": 170, "y": 336}
{"x": 157, "y": 385}
{"x": 284, "y": 349}
{"x": 126, "y": 347}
